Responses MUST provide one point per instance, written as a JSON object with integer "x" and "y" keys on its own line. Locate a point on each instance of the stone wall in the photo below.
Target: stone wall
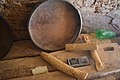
{"x": 17, "y": 13}
{"x": 97, "y": 14}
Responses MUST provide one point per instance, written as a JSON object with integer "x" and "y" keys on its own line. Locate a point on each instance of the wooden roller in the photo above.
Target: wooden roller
{"x": 82, "y": 46}
{"x": 64, "y": 67}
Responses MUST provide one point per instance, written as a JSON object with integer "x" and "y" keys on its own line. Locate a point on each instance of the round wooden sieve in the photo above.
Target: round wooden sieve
{"x": 54, "y": 24}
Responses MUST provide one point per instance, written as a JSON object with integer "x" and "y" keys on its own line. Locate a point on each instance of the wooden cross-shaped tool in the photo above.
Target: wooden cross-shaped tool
{"x": 87, "y": 46}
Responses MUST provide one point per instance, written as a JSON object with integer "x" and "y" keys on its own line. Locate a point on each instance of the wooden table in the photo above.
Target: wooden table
{"x": 24, "y": 56}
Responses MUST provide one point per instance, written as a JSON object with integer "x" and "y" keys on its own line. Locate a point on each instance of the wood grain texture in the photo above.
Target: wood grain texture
{"x": 22, "y": 67}
{"x": 22, "y": 59}
{"x": 11, "y": 69}
{"x": 57, "y": 75}
{"x": 110, "y": 58}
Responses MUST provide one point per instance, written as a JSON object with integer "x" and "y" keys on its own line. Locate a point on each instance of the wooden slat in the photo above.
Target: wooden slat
{"x": 110, "y": 59}
{"x": 22, "y": 67}
{"x": 49, "y": 76}
{"x": 57, "y": 75}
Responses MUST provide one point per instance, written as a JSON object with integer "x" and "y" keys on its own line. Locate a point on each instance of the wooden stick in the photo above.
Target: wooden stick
{"x": 64, "y": 67}
{"x": 95, "y": 56}
{"x": 82, "y": 46}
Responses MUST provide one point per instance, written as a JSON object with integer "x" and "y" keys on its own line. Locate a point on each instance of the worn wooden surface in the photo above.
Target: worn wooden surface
{"x": 24, "y": 56}
{"x": 21, "y": 49}
{"x": 110, "y": 58}
{"x": 27, "y": 48}
{"x": 26, "y": 64}
{"x": 57, "y": 75}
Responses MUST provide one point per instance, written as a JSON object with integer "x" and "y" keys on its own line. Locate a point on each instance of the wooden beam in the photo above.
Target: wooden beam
{"x": 57, "y": 75}
{"x": 22, "y": 67}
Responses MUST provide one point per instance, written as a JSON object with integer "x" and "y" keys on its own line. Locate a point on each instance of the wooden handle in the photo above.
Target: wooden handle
{"x": 95, "y": 56}
{"x": 98, "y": 62}
{"x": 82, "y": 46}
{"x": 64, "y": 67}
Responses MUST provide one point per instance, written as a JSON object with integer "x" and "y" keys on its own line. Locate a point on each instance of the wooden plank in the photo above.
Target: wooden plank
{"x": 22, "y": 67}
{"x": 49, "y": 76}
{"x": 57, "y": 75}
{"x": 110, "y": 55}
